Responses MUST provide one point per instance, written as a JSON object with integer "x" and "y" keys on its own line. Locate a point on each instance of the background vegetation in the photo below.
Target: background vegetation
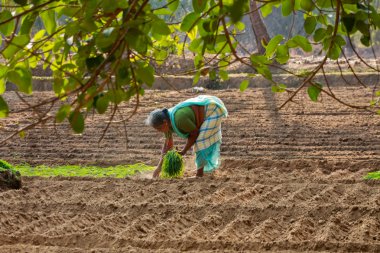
{"x": 120, "y": 171}
{"x": 104, "y": 53}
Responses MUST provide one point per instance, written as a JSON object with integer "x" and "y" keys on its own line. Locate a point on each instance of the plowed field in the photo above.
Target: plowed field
{"x": 290, "y": 181}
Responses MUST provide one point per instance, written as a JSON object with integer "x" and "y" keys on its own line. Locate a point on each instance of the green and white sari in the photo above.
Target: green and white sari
{"x": 207, "y": 145}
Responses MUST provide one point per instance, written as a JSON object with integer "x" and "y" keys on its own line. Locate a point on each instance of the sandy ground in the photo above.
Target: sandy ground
{"x": 290, "y": 181}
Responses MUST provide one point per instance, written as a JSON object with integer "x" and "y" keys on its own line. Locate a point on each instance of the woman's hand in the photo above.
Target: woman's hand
{"x": 190, "y": 142}
{"x": 156, "y": 173}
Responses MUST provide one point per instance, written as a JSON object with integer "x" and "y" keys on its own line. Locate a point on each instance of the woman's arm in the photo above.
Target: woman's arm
{"x": 167, "y": 146}
{"x": 190, "y": 141}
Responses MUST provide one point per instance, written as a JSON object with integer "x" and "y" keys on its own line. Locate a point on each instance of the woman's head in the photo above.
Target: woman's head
{"x": 159, "y": 119}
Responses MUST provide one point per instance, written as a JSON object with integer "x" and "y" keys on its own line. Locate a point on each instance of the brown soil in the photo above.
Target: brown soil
{"x": 291, "y": 180}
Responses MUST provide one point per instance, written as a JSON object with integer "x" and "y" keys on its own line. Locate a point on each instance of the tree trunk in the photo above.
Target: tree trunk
{"x": 258, "y": 27}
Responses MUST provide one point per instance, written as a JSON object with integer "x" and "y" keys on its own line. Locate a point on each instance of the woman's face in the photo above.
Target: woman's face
{"x": 164, "y": 127}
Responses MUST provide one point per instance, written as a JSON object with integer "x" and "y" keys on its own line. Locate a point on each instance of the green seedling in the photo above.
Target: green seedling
{"x": 373, "y": 175}
{"x": 119, "y": 171}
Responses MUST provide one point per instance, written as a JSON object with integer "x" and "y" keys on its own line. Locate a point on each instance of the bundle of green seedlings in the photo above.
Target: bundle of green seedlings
{"x": 172, "y": 165}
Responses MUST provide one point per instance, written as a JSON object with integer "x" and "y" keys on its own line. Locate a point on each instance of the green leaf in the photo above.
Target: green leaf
{"x": 258, "y": 60}
{"x": 322, "y": 18}
{"x": 116, "y": 96}
{"x": 282, "y": 54}
{"x": 319, "y": 34}
{"x": 223, "y": 75}
{"x": 206, "y": 26}
{"x": 189, "y": 21}
{"x": 62, "y": 113}
{"x": 314, "y": 91}
{"x": 160, "y": 27}
{"x": 173, "y": 5}
{"x": 58, "y": 86}
{"x": 93, "y": 62}
{"x": 339, "y": 40}
{"x": 3, "y": 70}
{"x": 196, "y": 77}
{"x": 287, "y": 7}
{"x": 237, "y": 10}
{"x": 28, "y": 23}
{"x": 264, "y": 71}
{"x": 39, "y": 35}
{"x": 365, "y": 40}
{"x": 273, "y": 44}
{"x": 21, "y": 2}
{"x": 163, "y": 11}
{"x": 101, "y": 104}
{"x": 240, "y": 26}
{"x": 160, "y": 55}
{"x": 18, "y": 43}
{"x": 350, "y": 8}
{"x": 48, "y": 18}
{"x": 212, "y": 75}
{"x": 4, "y": 110}
{"x": 195, "y": 45}
{"x": 334, "y": 52}
{"x": 88, "y": 25}
{"x": 76, "y": 120}
{"x": 106, "y": 38}
{"x": 266, "y": 9}
{"x": 324, "y": 3}
{"x": 310, "y": 24}
{"x": 199, "y": 5}
{"x": 279, "y": 88}
{"x": 300, "y": 41}
{"x": 109, "y": 6}
{"x": 123, "y": 4}
{"x": 244, "y": 85}
{"x": 8, "y": 27}
{"x": 75, "y": 10}
{"x": 2, "y": 85}
{"x": 146, "y": 74}
{"x": 198, "y": 61}
{"x": 22, "y": 77}
{"x": 138, "y": 40}
{"x": 307, "y": 5}
{"x": 363, "y": 28}
{"x": 375, "y": 16}
{"x": 122, "y": 74}
{"x": 349, "y": 22}
{"x": 336, "y": 46}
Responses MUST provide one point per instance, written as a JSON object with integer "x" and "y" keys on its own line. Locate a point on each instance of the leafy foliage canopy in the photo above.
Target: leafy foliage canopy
{"x": 102, "y": 53}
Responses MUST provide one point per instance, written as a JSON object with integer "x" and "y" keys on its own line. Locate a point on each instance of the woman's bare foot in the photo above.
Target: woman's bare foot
{"x": 199, "y": 172}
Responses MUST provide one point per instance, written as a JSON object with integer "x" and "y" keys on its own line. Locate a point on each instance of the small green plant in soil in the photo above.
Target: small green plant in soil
{"x": 373, "y": 175}
{"x": 120, "y": 171}
{"x": 172, "y": 165}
